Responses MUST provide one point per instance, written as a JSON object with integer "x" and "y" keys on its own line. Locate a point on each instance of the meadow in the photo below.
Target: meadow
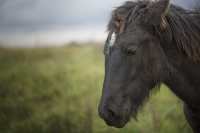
{"x": 57, "y": 90}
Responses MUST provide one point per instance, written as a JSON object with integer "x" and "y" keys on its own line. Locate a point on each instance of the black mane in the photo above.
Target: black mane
{"x": 183, "y": 27}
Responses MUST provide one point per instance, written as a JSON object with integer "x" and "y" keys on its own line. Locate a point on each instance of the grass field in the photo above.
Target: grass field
{"x": 56, "y": 90}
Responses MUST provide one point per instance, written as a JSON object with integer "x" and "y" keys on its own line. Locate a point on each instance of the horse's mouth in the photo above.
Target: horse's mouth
{"x": 121, "y": 120}
{"x": 117, "y": 123}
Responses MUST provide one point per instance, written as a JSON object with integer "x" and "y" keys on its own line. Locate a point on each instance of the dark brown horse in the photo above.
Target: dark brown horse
{"x": 150, "y": 43}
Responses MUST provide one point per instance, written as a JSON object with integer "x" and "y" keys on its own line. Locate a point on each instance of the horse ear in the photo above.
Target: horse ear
{"x": 157, "y": 12}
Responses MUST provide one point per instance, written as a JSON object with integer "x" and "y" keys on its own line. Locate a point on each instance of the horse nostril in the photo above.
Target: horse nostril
{"x": 112, "y": 114}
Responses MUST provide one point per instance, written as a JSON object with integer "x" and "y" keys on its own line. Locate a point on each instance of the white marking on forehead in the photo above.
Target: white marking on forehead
{"x": 112, "y": 40}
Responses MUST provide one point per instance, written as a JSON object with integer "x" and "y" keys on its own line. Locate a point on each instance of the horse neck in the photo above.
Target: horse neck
{"x": 176, "y": 79}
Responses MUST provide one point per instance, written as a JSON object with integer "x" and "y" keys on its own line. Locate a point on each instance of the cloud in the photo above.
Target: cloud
{"x": 32, "y": 13}
{"x": 188, "y": 4}
{"x": 32, "y": 16}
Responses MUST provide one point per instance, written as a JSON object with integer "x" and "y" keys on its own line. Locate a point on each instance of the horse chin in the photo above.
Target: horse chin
{"x": 134, "y": 115}
{"x": 118, "y": 124}
{"x": 135, "y": 112}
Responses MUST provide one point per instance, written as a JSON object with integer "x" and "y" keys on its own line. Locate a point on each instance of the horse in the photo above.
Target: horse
{"x": 150, "y": 43}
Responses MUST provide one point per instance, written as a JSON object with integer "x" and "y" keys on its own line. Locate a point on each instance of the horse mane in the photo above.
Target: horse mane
{"x": 183, "y": 26}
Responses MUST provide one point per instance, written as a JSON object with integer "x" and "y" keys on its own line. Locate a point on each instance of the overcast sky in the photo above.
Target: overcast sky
{"x": 58, "y": 20}
{"x": 34, "y": 13}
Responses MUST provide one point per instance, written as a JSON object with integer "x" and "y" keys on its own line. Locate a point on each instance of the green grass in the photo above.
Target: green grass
{"x": 57, "y": 90}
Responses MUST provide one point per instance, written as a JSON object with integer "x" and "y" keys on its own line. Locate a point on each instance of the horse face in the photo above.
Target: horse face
{"x": 133, "y": 65}
{"x": 125, "y": 84}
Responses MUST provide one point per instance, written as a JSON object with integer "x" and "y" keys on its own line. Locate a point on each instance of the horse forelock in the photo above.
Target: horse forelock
{"x": 127, "y": 13}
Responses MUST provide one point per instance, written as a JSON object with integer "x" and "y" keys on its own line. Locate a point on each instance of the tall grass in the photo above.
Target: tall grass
{"x": 57, "y": 90}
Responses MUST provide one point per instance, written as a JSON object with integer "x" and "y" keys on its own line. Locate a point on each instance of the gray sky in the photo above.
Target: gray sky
{"x": 57, "y": 20}
{"x": 31, "y": 14}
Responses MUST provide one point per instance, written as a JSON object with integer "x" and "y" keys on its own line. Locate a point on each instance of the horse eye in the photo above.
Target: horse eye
{"x": 131, "y": 52}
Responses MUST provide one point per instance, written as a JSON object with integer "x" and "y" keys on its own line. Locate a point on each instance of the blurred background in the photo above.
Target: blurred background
{"x": 52, "y": 68}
